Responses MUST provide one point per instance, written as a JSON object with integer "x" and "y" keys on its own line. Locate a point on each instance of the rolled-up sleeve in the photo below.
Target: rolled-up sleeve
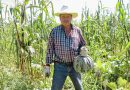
{"x": 50, "y": 49}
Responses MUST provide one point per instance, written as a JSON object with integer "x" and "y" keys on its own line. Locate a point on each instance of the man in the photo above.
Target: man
{"x": 64, "y": 44}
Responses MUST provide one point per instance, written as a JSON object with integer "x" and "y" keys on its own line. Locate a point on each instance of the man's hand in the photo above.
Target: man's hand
{"x": 83, "y": 51}
{"x": 47, "y": 70}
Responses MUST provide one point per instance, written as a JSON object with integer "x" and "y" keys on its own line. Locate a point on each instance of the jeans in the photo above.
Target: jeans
{"x": 61, "y": 71}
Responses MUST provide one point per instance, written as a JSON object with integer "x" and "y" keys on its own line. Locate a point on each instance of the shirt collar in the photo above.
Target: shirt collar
{"x": 72, "y": 27}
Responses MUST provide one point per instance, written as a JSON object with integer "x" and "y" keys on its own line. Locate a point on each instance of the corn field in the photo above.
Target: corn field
{"x": 24, "y": 32}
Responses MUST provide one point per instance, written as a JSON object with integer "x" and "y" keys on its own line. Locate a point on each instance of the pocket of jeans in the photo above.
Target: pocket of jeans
{"x": 56, "y": 64}
{"x": 59, "y": 67}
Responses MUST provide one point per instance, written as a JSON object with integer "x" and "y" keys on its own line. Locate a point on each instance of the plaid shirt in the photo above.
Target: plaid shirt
{"x": 64, "y": 48}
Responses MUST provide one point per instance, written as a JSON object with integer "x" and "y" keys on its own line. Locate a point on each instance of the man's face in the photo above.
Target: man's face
{"x": 65, "y": 19}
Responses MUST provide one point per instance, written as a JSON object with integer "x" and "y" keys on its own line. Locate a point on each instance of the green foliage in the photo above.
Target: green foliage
{"x": 112, "y": 85}
{"x": 121, "y": 82}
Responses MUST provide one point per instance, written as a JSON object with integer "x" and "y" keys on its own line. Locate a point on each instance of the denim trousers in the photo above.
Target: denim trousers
{"x": 61, "y": 71}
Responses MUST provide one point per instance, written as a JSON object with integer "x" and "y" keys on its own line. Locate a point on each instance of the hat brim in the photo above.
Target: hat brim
{"x": 74, "y": 15}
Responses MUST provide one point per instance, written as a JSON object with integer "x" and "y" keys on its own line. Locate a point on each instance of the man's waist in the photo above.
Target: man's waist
{"x": 66, "y": 63}
{"x": 62, "y": 58}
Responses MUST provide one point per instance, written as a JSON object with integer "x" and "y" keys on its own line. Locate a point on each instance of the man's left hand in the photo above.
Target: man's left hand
{"x": 47, "y": 71}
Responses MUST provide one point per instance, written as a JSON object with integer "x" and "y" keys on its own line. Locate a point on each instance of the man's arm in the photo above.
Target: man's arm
{"x": 82, "y": 41}
{"x": 50, "y": 49}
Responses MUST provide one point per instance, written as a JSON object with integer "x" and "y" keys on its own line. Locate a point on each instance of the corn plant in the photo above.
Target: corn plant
{"x": 107, "y": 35}
{"x": 31, "y": 32}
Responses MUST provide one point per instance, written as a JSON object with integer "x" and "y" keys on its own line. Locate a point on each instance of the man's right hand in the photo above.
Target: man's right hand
{"x": 47, "y": 70}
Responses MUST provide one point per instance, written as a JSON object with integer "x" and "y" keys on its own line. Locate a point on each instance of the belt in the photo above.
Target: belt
{"x": 66, "y": 63}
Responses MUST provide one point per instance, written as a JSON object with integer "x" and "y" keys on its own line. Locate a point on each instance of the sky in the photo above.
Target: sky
{"x": 77, "y": 5}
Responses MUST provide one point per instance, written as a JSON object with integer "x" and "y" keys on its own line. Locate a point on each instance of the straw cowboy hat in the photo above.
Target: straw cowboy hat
{"x": 66, "y": 10}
